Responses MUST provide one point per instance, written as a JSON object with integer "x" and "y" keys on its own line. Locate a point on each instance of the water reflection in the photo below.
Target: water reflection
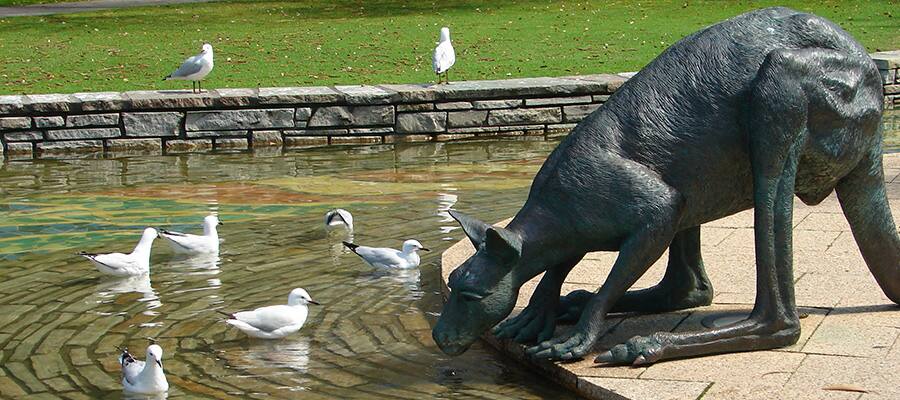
{"x": 110, "y": 288}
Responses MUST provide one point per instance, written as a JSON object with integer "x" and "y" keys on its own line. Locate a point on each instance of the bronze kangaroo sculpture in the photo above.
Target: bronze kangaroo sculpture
{"x": 743, "y": 114}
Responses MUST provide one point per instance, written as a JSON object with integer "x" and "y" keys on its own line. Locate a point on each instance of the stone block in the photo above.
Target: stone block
{"x": 371, "y": 131}
{"x": 553, "y": 101}
{"x": 171, "y": 99}
{"x": 886, "y": 59}
{"x": 406, "y": 138}
{"x": 144, "y": 124}
{"x": 49, "y": 122}
{"x": 299, "y": 95}
{"x": 888, "y": 76}
{"x": 75, "y": 146}
{"x": 187, "y": 146}
{"x": 92, "y": 120}
{"x": 578, "y": 113}
{"x": 466, "y": 118}
{"x": 348, "y": 140}
{"x": 455, "y": 105}
{"x": 892, "y": 89}
{"x": 446, "y": 137}
{"x": 352, "y": 115}
{"x": 18, "y": 149}
{"x": 305, "y": 141}
{"x": 209, "y": 134}
{"x": 474, "y": 129}
{"x": 231, "y": 143}
{"x": 50, "y": 103}
{"x": 628, "y": 388}
{"x": 237, "y": 97}
{"x": 12, "y": 104}
{"x": 415, "y": 107}
{"x": 316, "y": 132}
{"x": 600, "y": 98}
{"x": 10, "y": 123}
{"x": 83, "y": 133}
{"x": 266, "y": 138}
{"x": 239, "y": 119}
{"x": 101, "y": 101}
{"x": 23, "y": 136}
{"x": 424, "y": 122}
{"x": 149, "y": 145}
{"x": 525, "y": 116}
{"x": 363, "y": 94}
{"x": 496, "y": 104}
{"x": 301, "y": 116}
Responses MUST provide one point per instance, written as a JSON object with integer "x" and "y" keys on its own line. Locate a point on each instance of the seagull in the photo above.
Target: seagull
{"x": 274, "y": 322}
{"x": 444, "y": 56}
{"x": 383, "y": 257}
{"x": 195, "y": 68}
{"x": 143, "y": 377}
{"x": 186, "y": 243}
{"x": 338, "y": 217}
{"x": 118, "y": 264}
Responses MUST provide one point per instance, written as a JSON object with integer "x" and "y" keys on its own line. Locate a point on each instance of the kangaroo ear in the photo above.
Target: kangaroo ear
{"x": 473, "y": 228}
{"x": 503, "y": 243}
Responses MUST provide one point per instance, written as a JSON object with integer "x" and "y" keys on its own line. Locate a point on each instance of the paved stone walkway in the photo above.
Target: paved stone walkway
{"x": 850, "y": 342}
{"x": 83, "y": 6}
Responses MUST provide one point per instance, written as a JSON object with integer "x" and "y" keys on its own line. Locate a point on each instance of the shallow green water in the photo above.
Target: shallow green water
{"x": 60, "y": 320}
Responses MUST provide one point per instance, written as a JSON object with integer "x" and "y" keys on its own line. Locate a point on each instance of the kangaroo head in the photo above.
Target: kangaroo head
{"x": 482, "y": 289}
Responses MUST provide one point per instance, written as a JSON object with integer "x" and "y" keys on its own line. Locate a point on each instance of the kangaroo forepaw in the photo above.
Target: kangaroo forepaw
{"x": 639, "y": 350}
{"x": 570, "y": 346}
{"x": 534, "y": 323}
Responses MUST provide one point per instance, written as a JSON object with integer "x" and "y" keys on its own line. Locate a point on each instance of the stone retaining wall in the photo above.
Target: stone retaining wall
{"x": 180, "y": 121}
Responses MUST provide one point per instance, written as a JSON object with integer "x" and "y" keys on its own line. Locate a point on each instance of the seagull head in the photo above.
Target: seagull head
{"x": 412, "y": 245}
{"x": 299, "y": 296}
{"x": 211, "y": 221}
{"x": 445, "y": 34}
{"x": 154, "y": 353}
{"x": 207, "y": 48}
{"x": 149, "y": 234}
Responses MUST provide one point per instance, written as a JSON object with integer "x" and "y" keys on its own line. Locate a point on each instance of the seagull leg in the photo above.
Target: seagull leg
{"x": 193, "y": 87}
{"x": 447, "y": 76}
{"x": 199, "y": 87}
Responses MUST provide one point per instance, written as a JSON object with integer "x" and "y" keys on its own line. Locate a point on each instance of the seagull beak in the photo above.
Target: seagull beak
{"x": 220, "y": 223}
{"x": 158, "y": 362}
{"x": 314, "y": 302}
{"x": 426, "y": 249}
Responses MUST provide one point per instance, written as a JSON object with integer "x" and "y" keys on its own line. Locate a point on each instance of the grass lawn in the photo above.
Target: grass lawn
{"x": 8, "y": 3}
{"x": 312, "y": 42}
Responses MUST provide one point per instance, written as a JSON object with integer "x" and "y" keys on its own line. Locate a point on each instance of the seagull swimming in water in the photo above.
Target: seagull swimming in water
{"x": 274, "y": 322}
{"x": 444, "y": 56}
{"x": 186, "y": 243}
{"x": 338, "y": 217}
{"x": 118, "y": 264}
{"x": 195, "y": 68}
{"x": 144, "y": 377}
{"x": 383, "y": 257}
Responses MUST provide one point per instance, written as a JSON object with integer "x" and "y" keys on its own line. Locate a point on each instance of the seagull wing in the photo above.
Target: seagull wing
{"x": 185, "y": 241}
{"x": 269, "y": 319}
{"x": 444, "y": 57}
{"x": 131, "y": 367}
{"x": 380, "y": 257}
{"x": 190, "y": 67}
{"x": 114, "y": 261}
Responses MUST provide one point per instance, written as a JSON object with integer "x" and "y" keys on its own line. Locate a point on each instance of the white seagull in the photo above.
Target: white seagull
{"x": 186, "y": 243}
{"x": 195, "y": 68}
{"x": 118, "y": 264}
{"x": 444, "y": 56}
{"x": 338, "y": 217}
{"x": 274, "y": 322}
{"x": 144, "y": 377}
{"x": 383, "y": 257}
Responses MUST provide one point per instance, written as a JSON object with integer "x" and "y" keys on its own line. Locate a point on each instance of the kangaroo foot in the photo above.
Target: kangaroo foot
{"x": 656, "y": 299}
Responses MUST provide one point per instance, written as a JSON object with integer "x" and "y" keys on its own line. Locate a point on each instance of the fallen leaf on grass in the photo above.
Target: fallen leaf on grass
{"x": 846, "y": 388}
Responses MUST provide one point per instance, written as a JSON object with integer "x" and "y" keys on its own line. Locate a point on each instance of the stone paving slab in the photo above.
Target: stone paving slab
{"x": 849, "y": 346}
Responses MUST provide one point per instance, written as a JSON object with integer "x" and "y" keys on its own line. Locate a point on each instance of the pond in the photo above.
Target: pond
{"x": 60, "y": 320}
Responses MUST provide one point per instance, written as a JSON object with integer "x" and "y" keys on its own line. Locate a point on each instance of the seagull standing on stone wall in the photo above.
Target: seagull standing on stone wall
{"x": 444, "y": 56}
{"x": 195, "y": 68}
